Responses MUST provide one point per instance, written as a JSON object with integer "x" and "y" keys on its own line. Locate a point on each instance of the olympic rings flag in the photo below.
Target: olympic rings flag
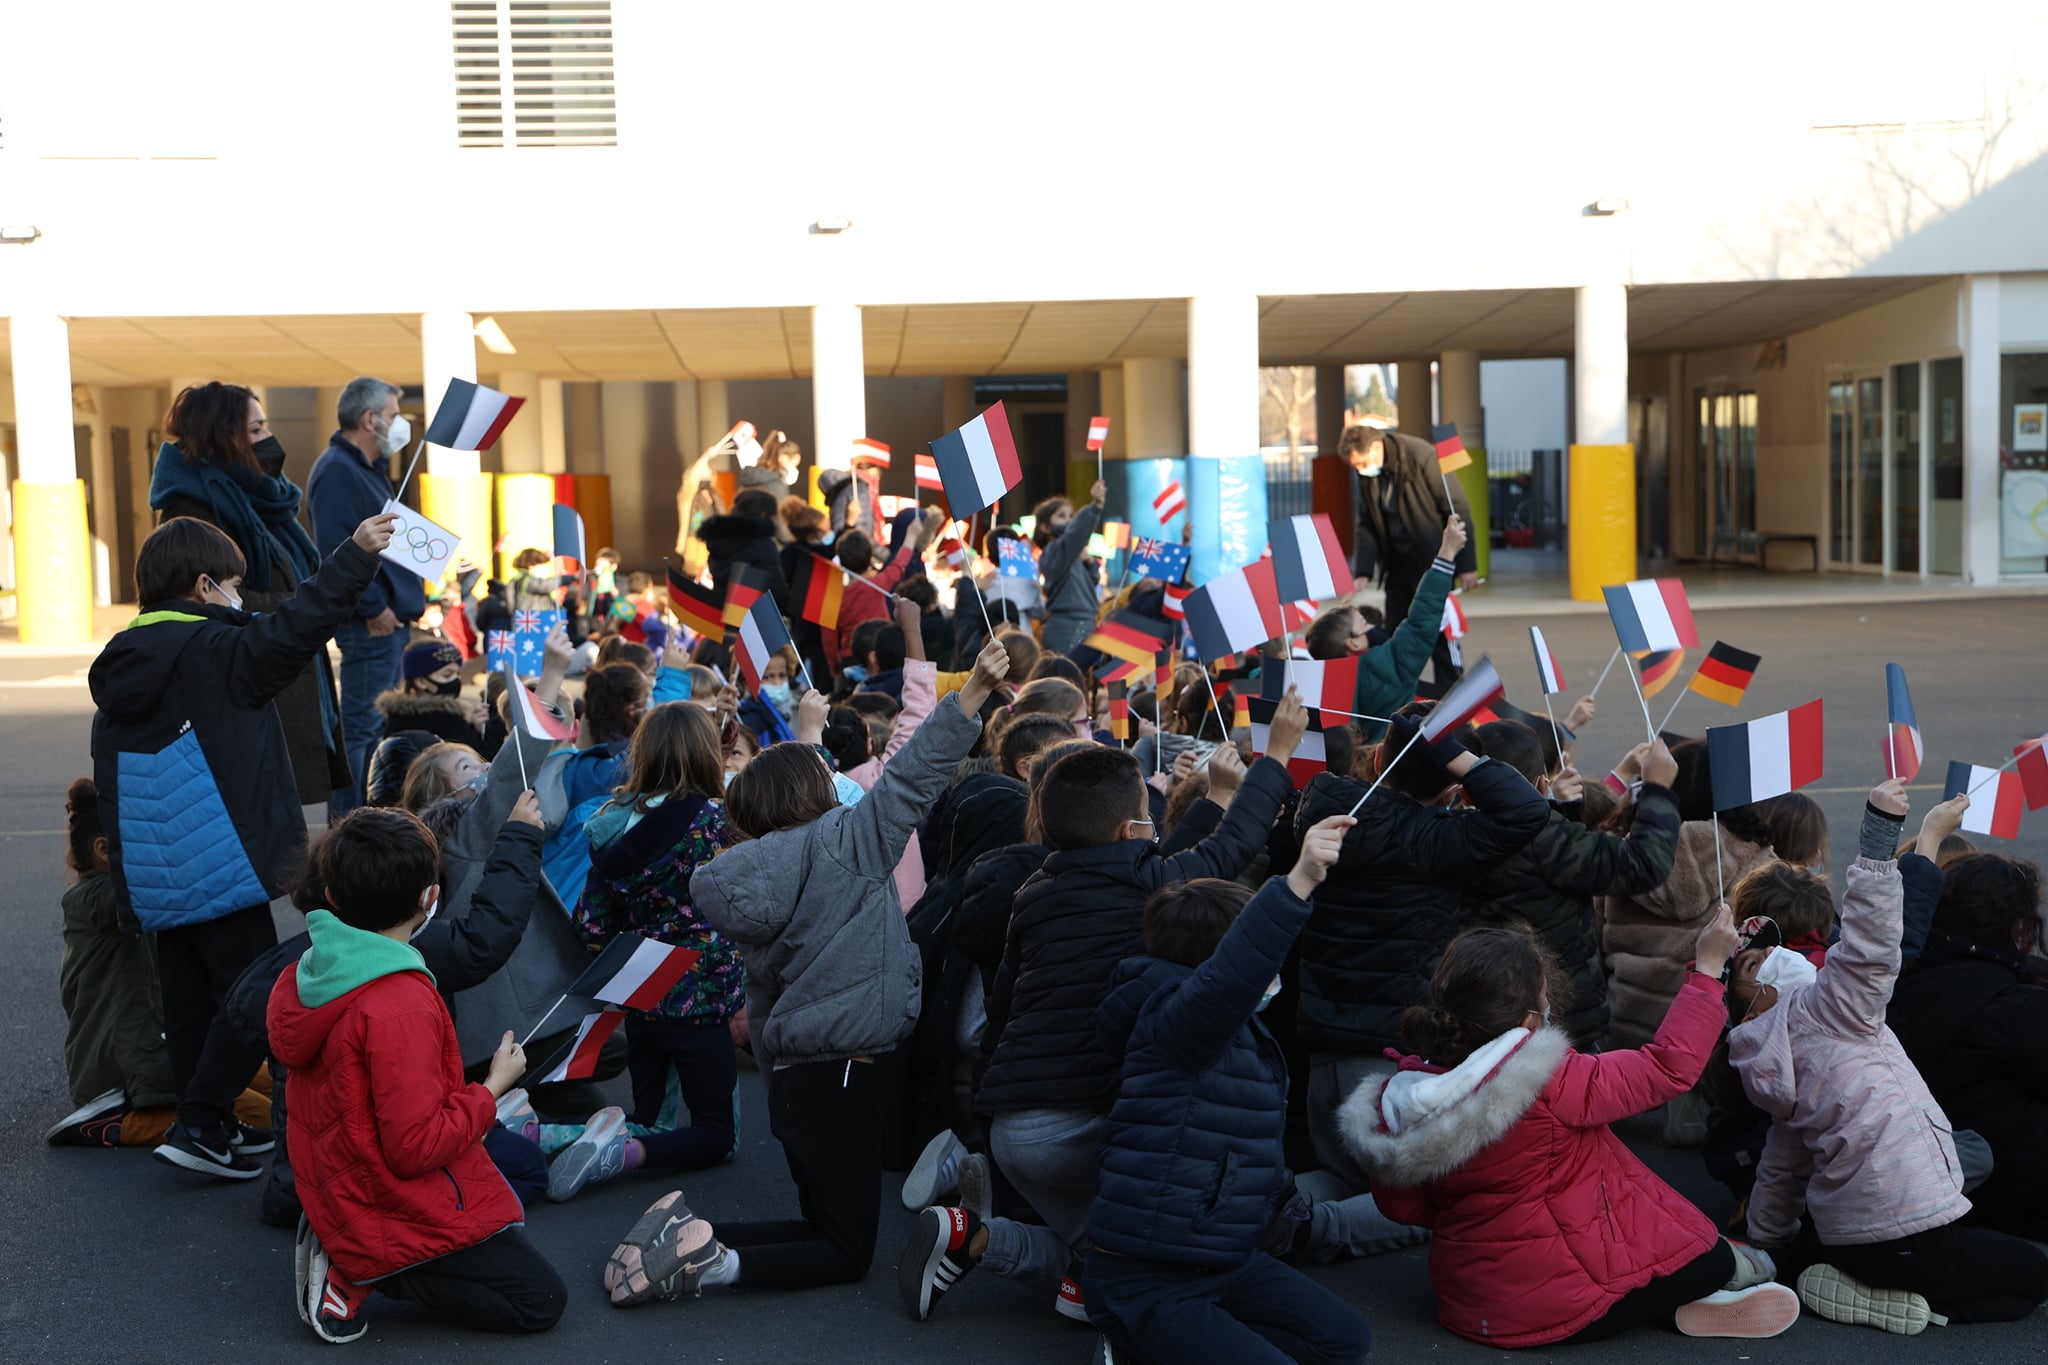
{"x": 419, "y": 545}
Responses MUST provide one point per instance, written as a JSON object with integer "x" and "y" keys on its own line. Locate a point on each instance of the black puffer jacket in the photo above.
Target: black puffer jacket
{"x": 1390, "y": 905}
{"x": 1550, "y": 885}
{"x": 1979, "y": 1034}
{"x": 445, "y": 718}
{"x": 730, "y": 540}
{"x": 1072, "y": 923}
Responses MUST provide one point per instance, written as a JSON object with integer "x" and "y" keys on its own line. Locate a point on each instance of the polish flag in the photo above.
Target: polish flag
{"x": 978, "y": 463}
{"x": 1766, "y": 757}
{"x": 1996, "y": 799}
{"x": 1098, "y": 432}
{"x": 470, "y": 417}
{"x": 634, "y": 972}
{"x": 529, "y": 715}
{"x": 1170, "y": 503}
{"x": 578, "y": 1061}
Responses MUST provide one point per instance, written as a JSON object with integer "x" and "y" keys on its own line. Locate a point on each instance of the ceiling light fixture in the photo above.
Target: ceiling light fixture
{"x": 19, "y": 234}
{"x": 832, "y": 222}
{"x": 493, "y": 337}
{"x": 1606, "y": 208}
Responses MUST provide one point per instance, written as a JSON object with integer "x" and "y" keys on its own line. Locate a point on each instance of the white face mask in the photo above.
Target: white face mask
{"x": 432, "y": 910}
{"x": 395, "y": 436}
{"x": 1783, "y": 968}
{"x": 233, "y": 601}
{"x": 1267, "y": 998}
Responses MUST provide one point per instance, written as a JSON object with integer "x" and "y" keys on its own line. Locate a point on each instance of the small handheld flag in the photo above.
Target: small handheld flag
{"x": 1651, "y": 614}
{"x": 1232, "y": 612}
{"x": 1903, "y": 750}
{"x": 1311, "y": 754}
{"x": 1766, "y": 757}
{"x": 696, "y": 606}
{"x": 978, "y": 463}
{"x": 1116, "y": 534}
{"x": 1165, "y": 560}
{"x": 1014, "y": 559}
{"x": 578, "y": 1061}
{"x": 953, "y": 552}
{"x": 1479, "y": 688}
{"x": 1725, "y": 674}
{"x": 873, "y": 451}
{"x": 1996, "y": 799}
{"x": 1322, "y": 684}
{"x": 500, "y": 650}
{"x": 569, "y": 543}
{"x": 1454, "y": 618}
{"x": 635, "y": 972}
{"x": 746, "y": 586}
{"x": 820, "y": 588}
{"x": 2030, "y": 761}
{"x": 1660, "y": 668}
{"x": 928, "y": 473}
{"x": 1098, "y": 432}
{"x": 418, "y": 545}
{"x": 1308, "y": 561}
{"x": 1170, "y": 503}
{"x": 1131, "y": 636}
{"x": 1548, "y": 672}
{"x": 529, "y": 715}
{"x": 760, "y": 636}
{"x": 1119, "y": 712}
{"x": 471, "y": 417}
{"x": 1174, "y": 603}
{"x": 1451, "y": 454}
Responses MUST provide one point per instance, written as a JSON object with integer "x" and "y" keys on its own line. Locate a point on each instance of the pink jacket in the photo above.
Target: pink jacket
{"x": 1542, "y": 1218}
{"x": 920, "y": 695}
{"x": 1855, "y": 1135}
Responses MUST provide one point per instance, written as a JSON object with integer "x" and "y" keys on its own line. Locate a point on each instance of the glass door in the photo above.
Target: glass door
{"x": 1724, "y": 462}
{"x": 1856, "y": 467}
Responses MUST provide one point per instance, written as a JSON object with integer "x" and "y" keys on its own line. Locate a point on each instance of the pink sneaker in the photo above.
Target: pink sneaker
{"x": 1761, "y": 1311}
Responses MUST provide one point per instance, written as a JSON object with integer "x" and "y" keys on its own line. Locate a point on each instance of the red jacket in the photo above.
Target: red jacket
{"x": 863, "y": 604}
{"x": 386, "y": 1139}
{"x": 1542, "y": 1218}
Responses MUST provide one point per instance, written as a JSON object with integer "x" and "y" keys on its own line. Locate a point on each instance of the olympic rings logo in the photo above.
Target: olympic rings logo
{"x": 424, "y": 546}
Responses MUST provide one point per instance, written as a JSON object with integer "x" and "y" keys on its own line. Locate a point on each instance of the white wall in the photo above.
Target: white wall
{"x": 1526, "y": 404}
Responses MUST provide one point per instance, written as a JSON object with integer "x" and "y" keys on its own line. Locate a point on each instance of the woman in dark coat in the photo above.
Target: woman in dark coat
{"x": 222, "y": 465}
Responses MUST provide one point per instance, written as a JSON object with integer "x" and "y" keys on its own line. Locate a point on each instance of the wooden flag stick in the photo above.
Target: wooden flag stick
{"x": 1595, "y": 693}
{"x": 1383, "y": 773}
{"x": 1645, "y": 701}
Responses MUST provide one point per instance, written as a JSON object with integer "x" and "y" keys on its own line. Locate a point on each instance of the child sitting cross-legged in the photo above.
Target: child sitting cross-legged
{"x": 1193, "y": 1154}
{"x": 1495, "y": 1135}
{"x": 386, "y": 1138}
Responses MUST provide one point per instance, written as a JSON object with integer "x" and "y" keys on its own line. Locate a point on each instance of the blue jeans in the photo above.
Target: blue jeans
{"x": 1051, "y": 1156}
{"x": 369, "y": 668}
{"x": 1259, "y": 1311}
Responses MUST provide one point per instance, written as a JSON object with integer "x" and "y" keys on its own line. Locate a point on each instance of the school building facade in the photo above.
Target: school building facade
{"x": 1804, "y": 307}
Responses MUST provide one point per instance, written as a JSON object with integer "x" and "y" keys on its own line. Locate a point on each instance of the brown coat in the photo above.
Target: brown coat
{"x": 1649, "y": 937}
{"x": 1417, "y": 489}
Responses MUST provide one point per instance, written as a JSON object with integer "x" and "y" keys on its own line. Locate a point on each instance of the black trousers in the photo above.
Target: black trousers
{"x": 1966, "y": 1274}
{"x": 1658, "y": 1301}
{"x": 1401, "y": 582}
{"x": 1260, "y": 1310}
{"x": 828, "y": 1119}
{"x": 195, "y": 965}
{"x": 502, "y": 1284}
{"x": 707, "y": 1072}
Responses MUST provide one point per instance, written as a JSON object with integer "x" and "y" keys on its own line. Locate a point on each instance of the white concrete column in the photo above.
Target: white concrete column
{"x": 1329, "y": 408}
{"x": 41, "y": 346}
{"x": 1458, "y": 377}
{"x": 714, "y": 414}
{"x": 839, "y": 399}
{"x": 520, "y": 447}
{"x": 1414, "y": 397}
{"x": 1155, "y": 410}
{"x": 1110, "y": 387}
{"x": 1600, "y": 366}
{"x": 1223, "y": 375}
{"x": 956, "y": 399}
{"x": 447, "y": 351}
{"x": 1981, "y": 429}
{"x": 100, "y": 495}
{"x": 554, "y": 428}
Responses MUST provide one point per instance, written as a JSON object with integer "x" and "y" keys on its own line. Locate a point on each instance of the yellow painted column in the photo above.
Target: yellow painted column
{"x": 53, "y": 563}
{"x": 526, "y": 516}
{"x": 462, "y": 503}
{"x": 1602, "y": 518}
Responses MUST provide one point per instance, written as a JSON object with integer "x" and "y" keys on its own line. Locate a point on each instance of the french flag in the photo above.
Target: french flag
{"x": 1170, "y": 503}
{"x": 1226, "y": 615}
{"x": 1903, "y": 748}
{"x": 1475, "y": 692}
{"x": 635, "y": 972}
{"x": 928, "y": 472}
{"x": 1098, "y": 432}
{"x": 529, "y": 715}
{"x": 579, "y": 1060}
{"x": 471, "y": 417}
{"x": 1652, "y": 614}
{"x": 1323, "y": 684}
{"x": 1996, "y": 799}
{"x": 2031, "y": 763}
{"x": 1311, "y": 755}
{"x": 1547, "y": 669}
{"x": 1767, "y": 757}
{"x": 569, "y": 542}
{"x": 761, "y": 637}
{"x": 978, "y": 463}
{"x": 1308, "y": 562}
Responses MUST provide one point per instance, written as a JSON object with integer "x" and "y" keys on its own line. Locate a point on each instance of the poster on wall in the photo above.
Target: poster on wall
{"x": 2023, "y": 514}
{"x": 2030, "y": 426}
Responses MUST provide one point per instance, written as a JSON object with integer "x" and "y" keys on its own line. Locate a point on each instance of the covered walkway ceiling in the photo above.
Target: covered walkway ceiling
{"x": 941, "y": 339}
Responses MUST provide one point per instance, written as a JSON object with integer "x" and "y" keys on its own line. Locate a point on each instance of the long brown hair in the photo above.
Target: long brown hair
{"x": 785, "y": 786}
{"x": 675, "y": 750}
{"x": 1486, "y": 982}
{"x": 210, "y": 423}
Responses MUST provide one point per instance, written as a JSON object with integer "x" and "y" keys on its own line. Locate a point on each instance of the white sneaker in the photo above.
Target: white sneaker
{"x": 1840, "y": 1297}
{"x": 1762, "y": 1311}
{"x": 935, "y": 1178}
{"x": 1753, "y": 1266}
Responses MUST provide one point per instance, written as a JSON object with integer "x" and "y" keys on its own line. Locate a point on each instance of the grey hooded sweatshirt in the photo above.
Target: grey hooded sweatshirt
{"x": 831, "y": 971}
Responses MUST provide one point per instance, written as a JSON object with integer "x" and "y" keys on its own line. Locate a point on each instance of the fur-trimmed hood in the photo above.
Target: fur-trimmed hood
{"x": 1424, "y": 1122}
{"x": 401, "y": 707}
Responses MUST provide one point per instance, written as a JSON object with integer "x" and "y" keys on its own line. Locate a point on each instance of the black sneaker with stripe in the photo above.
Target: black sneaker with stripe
{"x": 935, "y": 1257}
{"x": 210, "y": 1153}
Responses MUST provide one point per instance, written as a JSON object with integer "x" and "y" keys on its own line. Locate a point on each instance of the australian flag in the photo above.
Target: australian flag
{"x": 530, "y": 630}
{"x": 499, "y": 648}
{"x": 1165, "y": 560}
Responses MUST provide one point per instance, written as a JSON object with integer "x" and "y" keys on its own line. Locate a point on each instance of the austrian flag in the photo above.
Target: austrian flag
{"x": 635, "y": 972}
{"x": 1098, "y": 432}
{"x": 1170, "y": 503}
{"x": 928, "y": 473}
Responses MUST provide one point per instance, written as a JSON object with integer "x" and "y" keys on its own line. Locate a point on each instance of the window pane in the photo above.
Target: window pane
{"x": 1906, "y": 468}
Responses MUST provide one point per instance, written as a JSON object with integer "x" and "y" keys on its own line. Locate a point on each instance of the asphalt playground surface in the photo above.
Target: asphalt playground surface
{"x": 112, "y": 1256}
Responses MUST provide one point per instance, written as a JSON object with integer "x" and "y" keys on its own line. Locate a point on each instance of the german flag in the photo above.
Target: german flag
{"x": 1240, "y": 709}
{"x": 742, "y": 590}
{"x": 1450, "y": 447}
{"x": 1119, "y": 713}
{"x": 1725, "y": 674}
{"x": 1659, "y": 667}
{"x": 1162, "y": 681}
{"x": 1130, "y": 636}
{"x": 1122, "y": 671}
{"x": 695, "y": 606}
{"x": 820, "y": 586}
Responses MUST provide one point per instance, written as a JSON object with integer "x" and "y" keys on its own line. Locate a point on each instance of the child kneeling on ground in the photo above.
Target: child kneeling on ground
{"x": 1496, "y": 1136}
{"x": 386, "y": 1138}
{"x": 1855, "y": 1135}
{"x": 1193, "y": 1156}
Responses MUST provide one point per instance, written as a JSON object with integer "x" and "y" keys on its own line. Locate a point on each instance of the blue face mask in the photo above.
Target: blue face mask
{"x": 855, "y": 672}
{"x": 776, "y": 692}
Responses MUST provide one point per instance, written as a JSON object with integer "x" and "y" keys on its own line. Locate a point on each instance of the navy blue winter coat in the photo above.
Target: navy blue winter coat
{"x": 1194, "y": 1163}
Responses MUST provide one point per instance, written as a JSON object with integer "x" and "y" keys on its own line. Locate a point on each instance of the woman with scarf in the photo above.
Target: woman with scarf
{"x": 222, "y": 465}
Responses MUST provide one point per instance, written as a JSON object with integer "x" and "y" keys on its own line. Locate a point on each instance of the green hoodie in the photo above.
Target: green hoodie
{"x": 343, "y": 958}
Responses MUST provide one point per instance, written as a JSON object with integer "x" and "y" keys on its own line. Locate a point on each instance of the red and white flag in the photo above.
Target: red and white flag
{"x": 578, "y": 1062}
{"x": 1098, "y": 432}
{"x": 953, "y": 552}
{"x": 2032, "y": 768}
{"x": 1454, "y": 618}
{"x": 471, "y": 417}
{"x": 928, "y": 472}
{"x": 869, "y": 449}
{"x": 1170, "y": 503}
{"x": 529, "y": 715}
{"x": 1471, "y": 694}
{"x": 1174, "y": 605}
{"x": 634, "y": 972}
{"x": 1322, "y": 684}
{"x": 1996, "y": 799}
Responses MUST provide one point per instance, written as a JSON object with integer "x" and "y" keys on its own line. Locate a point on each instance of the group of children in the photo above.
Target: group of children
{"x": 1083, "y": 995}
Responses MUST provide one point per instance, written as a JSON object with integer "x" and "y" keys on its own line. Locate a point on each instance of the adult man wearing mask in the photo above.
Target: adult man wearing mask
{"x": 352, "y": 481}
{"x": 1401, "y": 510}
